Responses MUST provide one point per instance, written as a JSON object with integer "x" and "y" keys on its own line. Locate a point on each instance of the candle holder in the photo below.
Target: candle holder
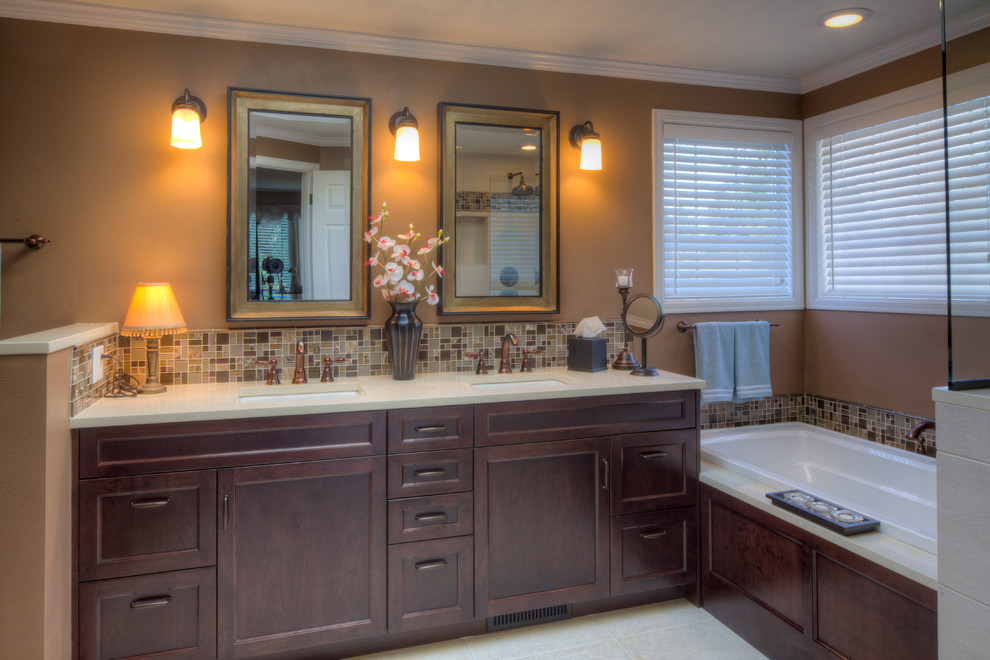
{"x": 624, "y": 360}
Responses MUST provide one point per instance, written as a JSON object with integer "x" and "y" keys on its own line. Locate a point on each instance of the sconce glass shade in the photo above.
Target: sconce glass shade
{"x": 584, "y": 137}
{"x": 154, "y": 312}
{"x": 405, "y": 128}
{"x": 188, "y": 112}
{"x": 591, "y": 154}
{"x": 407, "y": 143}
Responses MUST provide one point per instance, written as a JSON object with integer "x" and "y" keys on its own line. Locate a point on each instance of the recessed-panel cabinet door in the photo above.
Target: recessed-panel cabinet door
{"x": 541, "y": 525}
{"x": 302, "y": 555}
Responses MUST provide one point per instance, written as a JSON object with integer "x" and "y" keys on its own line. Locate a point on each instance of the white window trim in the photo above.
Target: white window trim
{"x": 790, "y": 127}
{"x": 906, "y": 102}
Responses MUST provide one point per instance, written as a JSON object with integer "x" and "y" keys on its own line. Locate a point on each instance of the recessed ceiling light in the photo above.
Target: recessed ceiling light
{"x": 844, "y": 17}
{"x": 528, "y": 147}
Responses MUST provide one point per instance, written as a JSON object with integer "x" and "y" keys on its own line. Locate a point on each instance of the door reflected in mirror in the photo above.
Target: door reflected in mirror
{"x": 500, "y": 210}
{"x": 298, "y": 175}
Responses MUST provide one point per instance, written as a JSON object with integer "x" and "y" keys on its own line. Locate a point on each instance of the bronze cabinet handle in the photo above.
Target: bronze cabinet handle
{"x": 649, "y": 536}
{"x": 431, "y": 517}
{"x": 652, "y": 454}
{"x": 431, "y": 564}
{"x": 226, "y": 511}
{"x": 151, "y": 601}
{"x": 605, "y": 480}
{"x": 430, "y": 472}
{"x": 431, "y": 429}
{"x": 150, "y": 502}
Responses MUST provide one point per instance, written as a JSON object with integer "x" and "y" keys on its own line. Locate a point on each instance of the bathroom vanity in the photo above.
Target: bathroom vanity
{"x": 214, "y": 525}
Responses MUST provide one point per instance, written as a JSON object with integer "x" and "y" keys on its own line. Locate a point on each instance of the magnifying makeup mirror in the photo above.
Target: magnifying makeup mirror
{"x": 643, "y": 318}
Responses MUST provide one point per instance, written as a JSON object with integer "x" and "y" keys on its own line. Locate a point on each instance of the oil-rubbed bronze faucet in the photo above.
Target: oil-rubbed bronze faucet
{"x": 328, "y": 361}
{"x": 503, "y": 366}
{"x": 915, "y": 434}
{"x": 299, "y": 376}
{"x": 272, "y": 371}
{"x": 482, "y": 355}
{"x": 527, "y": 365}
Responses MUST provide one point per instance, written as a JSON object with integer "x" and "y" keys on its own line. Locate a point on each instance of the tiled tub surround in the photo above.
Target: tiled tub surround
{"x": 221, "y": 356}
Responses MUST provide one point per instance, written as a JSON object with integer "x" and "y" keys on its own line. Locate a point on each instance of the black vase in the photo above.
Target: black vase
{"x": 403, "y": 330}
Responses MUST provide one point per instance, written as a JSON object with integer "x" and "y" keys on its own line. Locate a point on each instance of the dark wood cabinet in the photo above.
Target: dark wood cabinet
{"x": 318, "y": 535}
{"x": 301, "y": 555}
{"x": 541, "y": 524}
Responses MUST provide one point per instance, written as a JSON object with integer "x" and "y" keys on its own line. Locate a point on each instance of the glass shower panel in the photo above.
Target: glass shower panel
{"x": 966, "y": 69}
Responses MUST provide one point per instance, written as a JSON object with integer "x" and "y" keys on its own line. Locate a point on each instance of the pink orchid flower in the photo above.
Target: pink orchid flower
{"x": 394, "y": 271}
{"x": 411, "y": 263}
{"x": 409, "y": 235}
{"x": 405, "y": 288}
{"x": 415, "y": 275}
{"x": 373, "y": 261}
{"x": 400, "y": 252}
{"x": 370, "y": 234}
{"x": 385, "y": 243}
{"x": 379, "y": 281}
{"x": 439, "y": 270}
{"x": 431, "y": 297}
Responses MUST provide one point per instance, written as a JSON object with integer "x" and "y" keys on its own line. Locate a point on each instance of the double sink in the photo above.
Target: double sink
{"x": 348, "y": 390}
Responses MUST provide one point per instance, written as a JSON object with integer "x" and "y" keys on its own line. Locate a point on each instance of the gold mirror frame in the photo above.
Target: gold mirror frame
{"x": 548, "y": 123}
{"x": 239, "y": 306}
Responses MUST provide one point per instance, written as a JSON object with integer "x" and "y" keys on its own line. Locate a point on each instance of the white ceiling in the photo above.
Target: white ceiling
{"x": 759, "y": 43}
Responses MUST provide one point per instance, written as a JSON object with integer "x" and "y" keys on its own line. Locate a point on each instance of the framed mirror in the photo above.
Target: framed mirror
{"x": 500, "y": 210}
{"x": 298, "y": 204}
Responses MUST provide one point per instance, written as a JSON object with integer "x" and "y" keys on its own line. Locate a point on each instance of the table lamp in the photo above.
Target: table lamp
{"x": 153, "y": 313}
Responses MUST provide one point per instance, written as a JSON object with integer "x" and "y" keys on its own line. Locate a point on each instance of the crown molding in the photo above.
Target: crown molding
{"x": 895, "y": 50}
{"x": 79, "y": 13}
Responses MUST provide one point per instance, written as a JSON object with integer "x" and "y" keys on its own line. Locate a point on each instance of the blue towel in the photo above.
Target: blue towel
{"x": 752, "y": 363}
{"x": 714, "y": 360}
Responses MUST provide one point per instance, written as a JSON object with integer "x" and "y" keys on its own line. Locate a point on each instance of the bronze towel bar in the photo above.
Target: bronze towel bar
{"x": 684, "y": 327}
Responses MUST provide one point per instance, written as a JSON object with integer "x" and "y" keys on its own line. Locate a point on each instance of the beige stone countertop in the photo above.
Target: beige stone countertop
{"x": 879, "y": 548}
{"x": 183, "y": 403}
{"x": 979, "y": 399}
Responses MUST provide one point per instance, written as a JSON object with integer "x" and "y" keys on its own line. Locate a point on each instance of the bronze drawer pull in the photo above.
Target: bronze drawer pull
{"x": 430, "y": 472}
{"x": 652, "y": 454}
{"x": 431, "y": 429}
{"x": 152, "y": 601}
{"x": 431, "y": 517}
{"x": 150, "y": 502}
{"x": 649, "y": 536}
{"x": 428, "y": 565}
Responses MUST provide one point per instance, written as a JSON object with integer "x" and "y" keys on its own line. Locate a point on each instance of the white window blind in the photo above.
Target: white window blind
{"x": 880, "y": 234}
{"x": 969, "y": 205}
{"x": 727, "y": 230}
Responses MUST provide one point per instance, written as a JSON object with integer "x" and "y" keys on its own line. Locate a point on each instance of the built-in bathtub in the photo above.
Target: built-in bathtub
{"x": 893, "y": 486}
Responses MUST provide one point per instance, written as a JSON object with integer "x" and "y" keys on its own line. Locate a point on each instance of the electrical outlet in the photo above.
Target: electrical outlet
{"x": 97, "y": 358}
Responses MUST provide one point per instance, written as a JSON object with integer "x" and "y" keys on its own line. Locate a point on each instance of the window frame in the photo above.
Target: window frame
{"x": 705, "y": 122}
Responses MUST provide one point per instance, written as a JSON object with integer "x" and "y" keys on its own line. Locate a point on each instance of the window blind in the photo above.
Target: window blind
{"x": 727, "y": 219}
{"x": 881, "y": 211}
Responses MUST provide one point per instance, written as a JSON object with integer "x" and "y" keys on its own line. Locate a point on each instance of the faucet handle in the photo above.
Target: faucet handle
{"x": 482, "y": 355}
{"x": 527, "y": 365}
{"x": 272, "y": 371}
{"x": 327, "y": 376}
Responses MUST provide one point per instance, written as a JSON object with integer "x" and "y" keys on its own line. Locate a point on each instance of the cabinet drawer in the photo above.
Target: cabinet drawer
{"x": 653, "y": 550}
{"x": 146, "y": 524}
{"x": 427, "y": 429}
{"x": 120, "y": 450}
{"x": 431, "y": 583}
{"x": 430, "y": 473}
{"x": 433, "y": 517}
{"x": 584, "y": 417}
{"x": 169, "y": 615}
{"x": 654, "y": 471}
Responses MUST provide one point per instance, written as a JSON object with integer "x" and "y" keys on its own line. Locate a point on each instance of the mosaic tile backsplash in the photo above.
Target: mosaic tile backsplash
{"x": 221, "y": 356}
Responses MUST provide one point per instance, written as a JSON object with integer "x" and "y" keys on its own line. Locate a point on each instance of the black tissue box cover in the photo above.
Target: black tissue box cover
{"x": 587, "y": 353}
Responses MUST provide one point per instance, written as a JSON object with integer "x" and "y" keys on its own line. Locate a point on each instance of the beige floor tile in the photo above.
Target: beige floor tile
{"x": 609, "y": 650}
{"x": 557, "y": 636}
{"x": 707, "y": 640}
{"x": 648, "y": 618}
{"x": 456, "y": 649}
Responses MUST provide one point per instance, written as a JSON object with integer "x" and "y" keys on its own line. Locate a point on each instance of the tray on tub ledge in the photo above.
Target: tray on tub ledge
{"x": 833, "y": 516}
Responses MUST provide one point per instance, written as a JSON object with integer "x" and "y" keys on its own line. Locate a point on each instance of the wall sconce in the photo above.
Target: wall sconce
{"x": 405, "y": 128}
{"x": 153, "y": 313}
{"x": 584, "y": 137}
{"x": 188, "y": 112}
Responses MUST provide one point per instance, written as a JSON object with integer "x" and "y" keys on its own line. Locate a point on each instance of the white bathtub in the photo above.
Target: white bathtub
{"x": 893, "y": 486}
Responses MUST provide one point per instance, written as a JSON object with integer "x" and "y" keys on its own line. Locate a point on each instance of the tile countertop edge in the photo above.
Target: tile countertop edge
{"x": 911, "y": 562}
{"x": 979, "y": 399}
{"x": 188, "y": 403}
{"x": 56, "y": 339}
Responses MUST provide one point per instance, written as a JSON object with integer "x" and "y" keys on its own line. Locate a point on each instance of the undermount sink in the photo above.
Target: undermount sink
{"x": 313, "y": 392}
{"x": 516, "y": 381}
